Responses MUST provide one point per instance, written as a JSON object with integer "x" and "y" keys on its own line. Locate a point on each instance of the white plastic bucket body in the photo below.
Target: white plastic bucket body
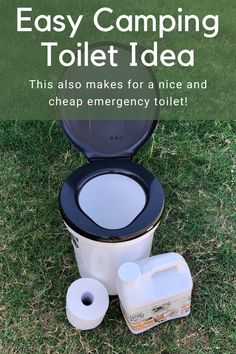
{"x": 101, "y": 260}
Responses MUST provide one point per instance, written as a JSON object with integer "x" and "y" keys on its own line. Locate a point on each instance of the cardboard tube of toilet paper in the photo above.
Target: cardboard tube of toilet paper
{"x": 86, "y": 303}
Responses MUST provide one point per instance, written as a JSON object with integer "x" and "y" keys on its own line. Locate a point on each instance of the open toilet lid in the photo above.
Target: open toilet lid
{"x": 108, "y": 132}
{"x": 108, "y": 139}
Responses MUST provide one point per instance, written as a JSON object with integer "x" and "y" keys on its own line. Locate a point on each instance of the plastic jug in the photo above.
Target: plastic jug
{"x": 154, "y": 290}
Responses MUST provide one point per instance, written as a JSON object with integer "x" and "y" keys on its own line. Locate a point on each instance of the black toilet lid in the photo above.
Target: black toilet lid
{"x": 113, "y": 133}
{"x": 108, "y": 139}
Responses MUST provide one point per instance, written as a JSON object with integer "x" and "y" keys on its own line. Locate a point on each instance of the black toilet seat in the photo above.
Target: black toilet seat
{"x": 79, "y": 222}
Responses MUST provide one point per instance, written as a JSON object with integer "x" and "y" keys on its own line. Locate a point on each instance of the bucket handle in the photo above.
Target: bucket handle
{"x": 155, "y": 266}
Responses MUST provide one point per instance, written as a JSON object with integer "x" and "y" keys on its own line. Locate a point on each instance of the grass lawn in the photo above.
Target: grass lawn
{"x": 195, "y": 164}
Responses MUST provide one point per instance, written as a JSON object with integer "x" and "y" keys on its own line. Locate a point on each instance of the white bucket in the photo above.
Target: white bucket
{"x": 101, "y": 260}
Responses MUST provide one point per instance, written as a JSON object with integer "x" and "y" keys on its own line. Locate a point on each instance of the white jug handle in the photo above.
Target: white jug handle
{"x": 155, "y": 266}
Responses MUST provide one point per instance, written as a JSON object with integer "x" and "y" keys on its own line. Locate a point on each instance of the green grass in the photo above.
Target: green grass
{"x": 195, "y": 164}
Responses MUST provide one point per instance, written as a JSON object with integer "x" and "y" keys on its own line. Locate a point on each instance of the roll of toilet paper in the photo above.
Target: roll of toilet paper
{"x": 86, "y": 303}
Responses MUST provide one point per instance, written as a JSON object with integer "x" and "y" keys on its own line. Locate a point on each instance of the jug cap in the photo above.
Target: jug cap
{"x": 129, "y": 272}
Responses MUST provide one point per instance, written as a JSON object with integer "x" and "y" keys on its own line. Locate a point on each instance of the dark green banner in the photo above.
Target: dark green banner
{"x": 179, "y": 61}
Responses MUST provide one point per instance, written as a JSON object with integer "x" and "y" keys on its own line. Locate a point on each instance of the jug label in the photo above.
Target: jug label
{"x": 153, "y": 315}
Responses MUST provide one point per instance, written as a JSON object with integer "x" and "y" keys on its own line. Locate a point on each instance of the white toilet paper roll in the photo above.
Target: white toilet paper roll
{"x": 86, "y": 303}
